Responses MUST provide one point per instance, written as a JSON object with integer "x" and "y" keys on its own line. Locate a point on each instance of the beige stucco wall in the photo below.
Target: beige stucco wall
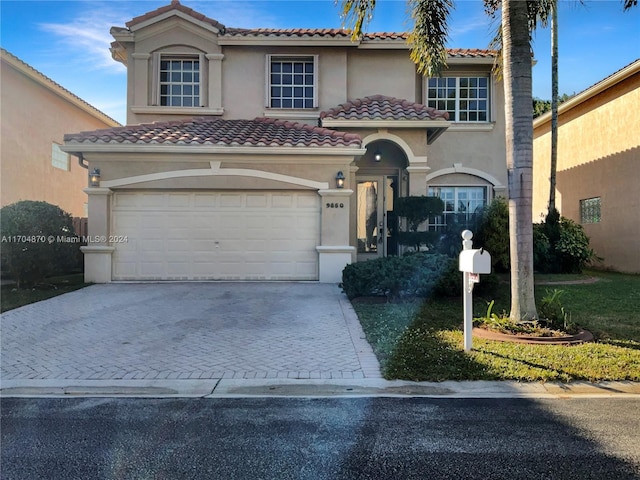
{"x": 475, "y": 147}
{"x": 381, "y": 72}
{"x": 598, "y": 156}
{"x": 32, "y": 118}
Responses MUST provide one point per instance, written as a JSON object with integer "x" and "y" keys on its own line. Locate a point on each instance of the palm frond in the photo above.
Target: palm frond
{"x": 496, "y": 44}
{"x": 356, "y": 15}
{"x": 429, "y": 36}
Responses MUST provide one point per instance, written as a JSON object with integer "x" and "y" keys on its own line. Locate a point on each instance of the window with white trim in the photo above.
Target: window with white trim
{"x": 462, "y": 205}
{"x": 292, "y": 82}
{"x": 179, "y": 81}
{"x": 59, "y": 159}
{"x": 590, "y": 210}
{"x": 465, "y": 98}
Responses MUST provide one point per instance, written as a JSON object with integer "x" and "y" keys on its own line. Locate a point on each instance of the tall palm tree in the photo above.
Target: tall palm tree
{"x": 516, "y": 54}
{"x": 554, "y": 106}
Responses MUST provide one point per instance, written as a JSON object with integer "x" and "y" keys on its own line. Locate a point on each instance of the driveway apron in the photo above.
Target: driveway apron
{"x": 188, "y": 330}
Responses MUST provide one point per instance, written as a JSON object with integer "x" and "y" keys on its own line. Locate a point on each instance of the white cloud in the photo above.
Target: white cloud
{"x": 84, "y": 40}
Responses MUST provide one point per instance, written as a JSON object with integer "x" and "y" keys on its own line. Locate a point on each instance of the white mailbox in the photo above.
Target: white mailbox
{"x": 475, "y": 261}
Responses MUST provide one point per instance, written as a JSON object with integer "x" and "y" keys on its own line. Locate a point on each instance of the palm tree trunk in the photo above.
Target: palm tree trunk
{"x": 554, "y": 105}
{"x": 519, "y": 148}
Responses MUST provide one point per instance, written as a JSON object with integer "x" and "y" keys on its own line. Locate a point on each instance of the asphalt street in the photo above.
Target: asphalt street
{"x": 320, "y": 438}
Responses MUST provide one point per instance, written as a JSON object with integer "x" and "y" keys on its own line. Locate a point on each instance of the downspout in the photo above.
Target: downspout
{"x": 81, "y": 161}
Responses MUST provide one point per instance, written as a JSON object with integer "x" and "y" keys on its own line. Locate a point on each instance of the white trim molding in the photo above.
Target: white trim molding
{"x": 110, "y": 148}
{"x": 192, "y": 111}
{"x": 215, "y": 170}
{"x": 458, "y": 168}
{"x": 386, "y": 123}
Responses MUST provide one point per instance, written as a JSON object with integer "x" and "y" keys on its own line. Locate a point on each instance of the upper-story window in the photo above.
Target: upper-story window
{"x": 179, "y": 81}
{"x": 465, "y": 98}
{"x": 292, "y": 81}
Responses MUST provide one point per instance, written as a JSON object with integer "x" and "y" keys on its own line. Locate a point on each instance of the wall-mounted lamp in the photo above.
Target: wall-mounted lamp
{"x": 94, "y": 178}
{"x": 377, "y": 156}
{"x": 340, "y": 179}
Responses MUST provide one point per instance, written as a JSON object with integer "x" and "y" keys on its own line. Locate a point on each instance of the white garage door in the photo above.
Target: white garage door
{"x": 216, "y": 235}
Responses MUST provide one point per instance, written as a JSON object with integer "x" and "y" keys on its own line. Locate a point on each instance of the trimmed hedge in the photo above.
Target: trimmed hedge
{"x": 411, "y": 275}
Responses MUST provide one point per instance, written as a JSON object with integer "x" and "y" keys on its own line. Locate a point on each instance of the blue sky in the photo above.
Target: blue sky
{"x": 69, "y": 40}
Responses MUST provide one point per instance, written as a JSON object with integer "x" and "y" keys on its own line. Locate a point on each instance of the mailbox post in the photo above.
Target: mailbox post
{"x": 472, "y": 262}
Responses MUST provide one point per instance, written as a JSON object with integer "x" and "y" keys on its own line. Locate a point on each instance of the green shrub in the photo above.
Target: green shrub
{"x": 417, "y": 210}
{"x": 542, "y": 253}
{"x": 394, "y": 277}
{"x": 450, "y": 282}
{"x": 560, "y": 245}
{"x": 32, "y": 245}
{"x": 572, "y": 249}
{"x": 493, "y": 234}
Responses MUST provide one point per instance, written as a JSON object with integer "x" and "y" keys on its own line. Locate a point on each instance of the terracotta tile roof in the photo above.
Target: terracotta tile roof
{"x": 471, "y": 53}
{"x": 175, "y": 5}
{"x": 290, "y": 32}
{"x": 380, "y": 107}
{"x": 260, "y": 132}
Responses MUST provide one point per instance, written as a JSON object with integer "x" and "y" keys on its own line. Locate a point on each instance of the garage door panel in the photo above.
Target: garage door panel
{"x": 216, "y": 235}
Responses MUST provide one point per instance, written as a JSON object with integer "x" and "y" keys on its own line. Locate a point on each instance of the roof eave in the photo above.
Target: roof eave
{"x": 272, "y": 40}
{"x": 384, "y": 123}
{"x": 488, "y": 60}
{"x": 591, "y": 92}
{"x": 80, "y": 148}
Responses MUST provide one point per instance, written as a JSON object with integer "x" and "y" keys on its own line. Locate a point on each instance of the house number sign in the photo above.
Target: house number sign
{"x": 335, "y": 205}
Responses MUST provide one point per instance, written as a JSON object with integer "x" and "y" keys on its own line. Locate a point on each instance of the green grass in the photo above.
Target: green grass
{"x": 11, "y": 297}
{"x": 424, "y": 341}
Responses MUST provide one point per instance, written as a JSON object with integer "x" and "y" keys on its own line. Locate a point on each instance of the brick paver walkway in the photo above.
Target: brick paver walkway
{"x": 188, "y": 330}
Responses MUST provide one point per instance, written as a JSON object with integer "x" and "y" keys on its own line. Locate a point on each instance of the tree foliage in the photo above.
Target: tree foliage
{"x": 35, "y": 241}
{"x": 417, "y": 210}
{"x": 541, "y": 106}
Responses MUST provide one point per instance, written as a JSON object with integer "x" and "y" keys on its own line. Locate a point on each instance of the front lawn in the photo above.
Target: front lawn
{"x": 423, "y": 340}
{"x": 11, "y": 297}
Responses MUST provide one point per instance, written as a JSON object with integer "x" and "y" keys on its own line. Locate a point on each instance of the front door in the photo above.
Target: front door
{"x": 377, "y": 225}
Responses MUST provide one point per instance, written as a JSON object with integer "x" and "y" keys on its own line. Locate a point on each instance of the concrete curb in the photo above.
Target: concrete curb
{"x": 236, "y": 388}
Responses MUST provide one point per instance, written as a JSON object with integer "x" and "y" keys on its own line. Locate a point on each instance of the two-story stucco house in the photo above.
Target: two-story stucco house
{"x": 278, "y": 154}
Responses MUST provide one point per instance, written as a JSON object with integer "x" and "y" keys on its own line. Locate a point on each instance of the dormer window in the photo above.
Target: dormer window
{"x": 179, "y": 81}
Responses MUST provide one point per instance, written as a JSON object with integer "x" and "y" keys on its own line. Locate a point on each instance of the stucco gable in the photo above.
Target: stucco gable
{"x": 175, "y": 7}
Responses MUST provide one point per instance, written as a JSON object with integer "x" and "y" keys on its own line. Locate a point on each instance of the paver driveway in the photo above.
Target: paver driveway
{"x": 188, "y": 330}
